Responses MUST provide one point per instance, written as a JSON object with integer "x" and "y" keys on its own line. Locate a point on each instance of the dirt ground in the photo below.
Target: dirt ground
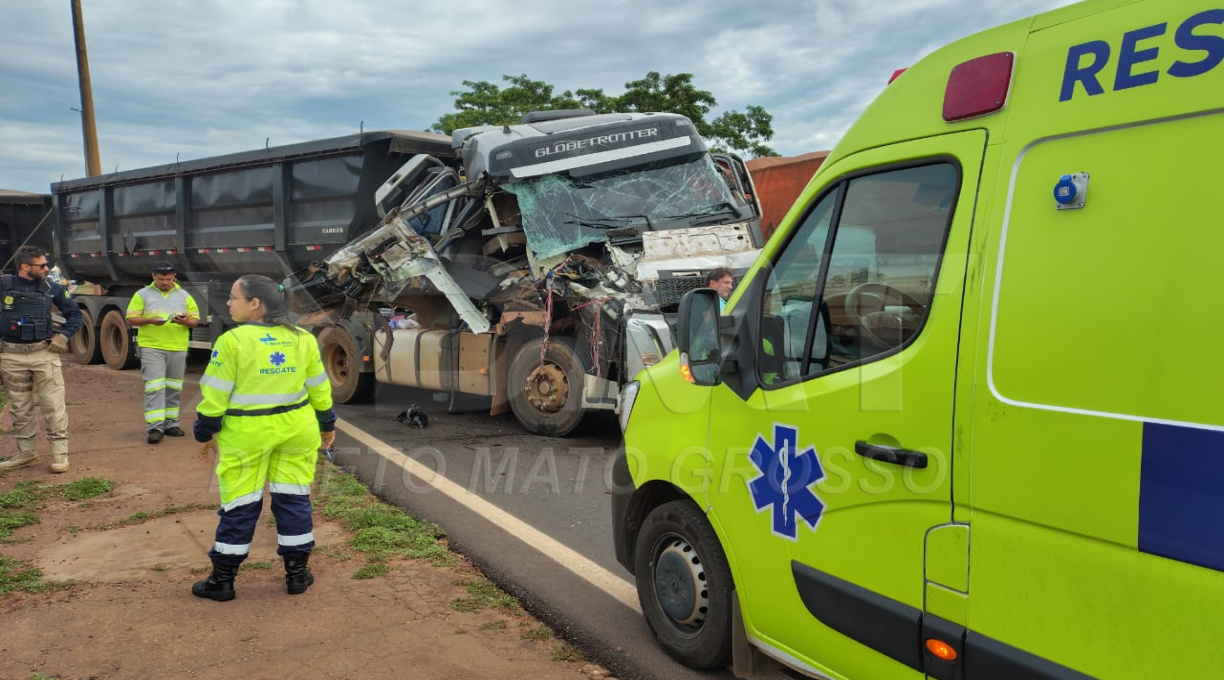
{"x": 119, "y": 604}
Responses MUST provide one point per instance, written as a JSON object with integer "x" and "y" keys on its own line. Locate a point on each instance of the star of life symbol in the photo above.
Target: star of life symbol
{"x": 277, "y": 358}
{"x": 267, "y": 338}
{"x": 784, "y": 485}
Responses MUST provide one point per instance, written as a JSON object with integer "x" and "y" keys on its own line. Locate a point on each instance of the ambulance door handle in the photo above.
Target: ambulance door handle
{"x": 891, "y": 454}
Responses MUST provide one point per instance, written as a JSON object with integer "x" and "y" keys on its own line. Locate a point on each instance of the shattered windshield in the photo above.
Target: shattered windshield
{"x": 563, "y": 213}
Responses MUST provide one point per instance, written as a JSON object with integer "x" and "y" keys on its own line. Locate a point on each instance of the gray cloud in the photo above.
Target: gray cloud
{"x": 193, "y": 78}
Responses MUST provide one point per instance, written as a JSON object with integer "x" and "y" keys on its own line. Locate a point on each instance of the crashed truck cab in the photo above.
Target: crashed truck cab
{"x": 544, "y": 272}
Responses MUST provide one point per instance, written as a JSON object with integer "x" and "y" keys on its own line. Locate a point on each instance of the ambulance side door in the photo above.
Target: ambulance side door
{"x": 832, "y": 461}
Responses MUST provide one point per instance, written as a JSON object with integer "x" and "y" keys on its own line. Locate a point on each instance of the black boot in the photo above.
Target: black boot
{"x": 219, "y": 585}
{"x": 297, "y": 575}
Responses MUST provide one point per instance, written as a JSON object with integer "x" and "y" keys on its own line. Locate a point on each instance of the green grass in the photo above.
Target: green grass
{"x": 33, "y": 494}
{"x": 372, "y": 570}
{"x": 14, "y": 520}
{"x": 255, "y": 566}
{"x": 567, "y": 652}
{"x": 538, "y": 633}
{"x": 84, "y": 489}
{"x": 144, "y": 516}
{"x": 381, "y": 533}
{"x": 24, "y": 495}
{"x": 18, "y": 575}
{"x": 484, "y": 594}
{"x": 499, "y": 624}
{"x": 18, "y": 507}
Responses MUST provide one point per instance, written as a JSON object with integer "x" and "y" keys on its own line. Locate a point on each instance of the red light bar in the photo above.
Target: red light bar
{"x": 978, "y": 86}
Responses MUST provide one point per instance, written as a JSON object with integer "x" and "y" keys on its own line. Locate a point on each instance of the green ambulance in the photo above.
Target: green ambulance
{"x": 964, "y": 418}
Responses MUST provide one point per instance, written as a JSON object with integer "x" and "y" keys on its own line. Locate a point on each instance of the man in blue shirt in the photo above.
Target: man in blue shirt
{"x": 722, "y": 280}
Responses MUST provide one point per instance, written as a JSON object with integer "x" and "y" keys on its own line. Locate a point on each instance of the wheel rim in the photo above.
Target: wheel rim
{"x": 547, "y": 387}
{"x": 680, "y": 584}
{"x": 336, "y": 364}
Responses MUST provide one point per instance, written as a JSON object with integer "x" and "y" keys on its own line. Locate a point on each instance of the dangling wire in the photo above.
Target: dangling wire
{"x": 548, "y": 310}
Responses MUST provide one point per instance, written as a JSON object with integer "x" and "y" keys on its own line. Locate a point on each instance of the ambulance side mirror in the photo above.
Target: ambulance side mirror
{"x": 697, "y": 337}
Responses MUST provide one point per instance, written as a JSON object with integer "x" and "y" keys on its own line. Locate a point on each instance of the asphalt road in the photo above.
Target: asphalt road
{"x": 532, "y": 512}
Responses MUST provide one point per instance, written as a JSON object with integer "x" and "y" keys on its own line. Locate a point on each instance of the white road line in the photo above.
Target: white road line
{"x": 582, "y": 567}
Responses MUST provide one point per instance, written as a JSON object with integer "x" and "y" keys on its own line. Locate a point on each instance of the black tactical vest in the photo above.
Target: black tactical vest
{"x": 25, "y": 316}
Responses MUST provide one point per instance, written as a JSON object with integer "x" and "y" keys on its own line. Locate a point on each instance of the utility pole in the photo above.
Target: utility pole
{"x": 89, "y": 130}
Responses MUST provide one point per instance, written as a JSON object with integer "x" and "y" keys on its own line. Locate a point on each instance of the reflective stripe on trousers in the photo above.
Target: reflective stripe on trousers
{"x": 279, "y": 450}
{"x": 162, "y": 371}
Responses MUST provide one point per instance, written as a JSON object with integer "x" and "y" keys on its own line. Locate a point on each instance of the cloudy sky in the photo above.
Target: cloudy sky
{"x": 196, "y": 78}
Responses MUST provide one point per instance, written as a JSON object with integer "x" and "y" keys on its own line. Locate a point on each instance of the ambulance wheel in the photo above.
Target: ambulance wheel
{"x": 684, "y": 585}
{"x": 83, "y": 346}
{"x": 342, "y": 362}
{"x": 546, "y": 390}
{"x": 118, "y": 350}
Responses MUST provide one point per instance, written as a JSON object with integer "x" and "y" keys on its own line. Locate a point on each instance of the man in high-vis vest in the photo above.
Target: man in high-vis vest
{"x": 163, "y": 315}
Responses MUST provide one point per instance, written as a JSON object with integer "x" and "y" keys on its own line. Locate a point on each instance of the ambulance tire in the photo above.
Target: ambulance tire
{"x": 546, "y": 395}
{"x": 684, "y": 585}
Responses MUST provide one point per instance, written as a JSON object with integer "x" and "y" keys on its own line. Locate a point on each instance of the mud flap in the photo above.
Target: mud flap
{"x": 747, "y": 661}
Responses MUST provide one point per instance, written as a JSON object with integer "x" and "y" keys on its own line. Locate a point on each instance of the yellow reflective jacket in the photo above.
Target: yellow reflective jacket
{"x": 149, "y": 301}
{"x": 263, "y": 370}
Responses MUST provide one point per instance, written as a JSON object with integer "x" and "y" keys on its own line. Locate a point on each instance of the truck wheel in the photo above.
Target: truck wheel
{"x": 546, "y": 394}
{"x": 684, "y": 585}
{"x": 116, "y": 342}
{"x": 83, "y": 346}
{"x": 342, "y": 361}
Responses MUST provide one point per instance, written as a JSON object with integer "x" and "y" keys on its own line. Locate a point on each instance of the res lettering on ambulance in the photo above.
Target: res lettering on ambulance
{"x": 1086, "y": 62}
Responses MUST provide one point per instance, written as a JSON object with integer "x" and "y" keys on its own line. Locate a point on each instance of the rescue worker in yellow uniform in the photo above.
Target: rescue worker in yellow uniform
{"x": 163, "y": 315}
{"x": 30, "y": 362}
{"x": 266, "y": 412}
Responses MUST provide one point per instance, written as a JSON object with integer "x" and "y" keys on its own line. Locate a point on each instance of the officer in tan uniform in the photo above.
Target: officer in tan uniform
{"x": 30, "y": 361}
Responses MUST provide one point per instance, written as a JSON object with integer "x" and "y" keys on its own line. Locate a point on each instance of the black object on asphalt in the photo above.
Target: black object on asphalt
{"x": 414, "y": 416}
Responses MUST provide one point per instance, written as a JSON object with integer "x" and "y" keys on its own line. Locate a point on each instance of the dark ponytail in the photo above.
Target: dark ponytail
{"x": 271, "y": 294}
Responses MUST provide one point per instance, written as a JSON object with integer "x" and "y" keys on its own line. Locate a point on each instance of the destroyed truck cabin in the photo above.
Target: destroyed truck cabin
{"x": 542, "y": 274}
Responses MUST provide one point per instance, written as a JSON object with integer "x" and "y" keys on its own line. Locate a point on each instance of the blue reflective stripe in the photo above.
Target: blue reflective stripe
{"x": 266, "y": 399}
{"x": 216, "y": 383}
{"x": 1181, "y": 494}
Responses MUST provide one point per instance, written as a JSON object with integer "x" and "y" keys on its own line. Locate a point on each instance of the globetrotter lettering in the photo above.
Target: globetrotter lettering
{"x": 602, "y": 140}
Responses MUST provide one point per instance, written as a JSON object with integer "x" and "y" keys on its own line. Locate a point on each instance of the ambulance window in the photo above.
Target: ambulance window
{"x": 878, "y": 281}
{"x": 789, "y": 296}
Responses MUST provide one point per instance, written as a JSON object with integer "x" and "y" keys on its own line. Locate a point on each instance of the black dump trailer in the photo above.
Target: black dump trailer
{"x": 271, "y": 211}
{"x": 25, "y": 219}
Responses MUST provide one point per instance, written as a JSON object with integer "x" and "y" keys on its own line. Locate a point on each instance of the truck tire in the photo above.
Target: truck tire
{"x": 83, "y": 346}
{"x": 115, "y": 340}
{"x": 684, "y": 585}
{"x": 342, "y": 361}
{"x": 546, "y": 395}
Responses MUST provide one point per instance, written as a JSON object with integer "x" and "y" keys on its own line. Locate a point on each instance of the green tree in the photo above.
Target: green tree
{"x": 484, "y": 103}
